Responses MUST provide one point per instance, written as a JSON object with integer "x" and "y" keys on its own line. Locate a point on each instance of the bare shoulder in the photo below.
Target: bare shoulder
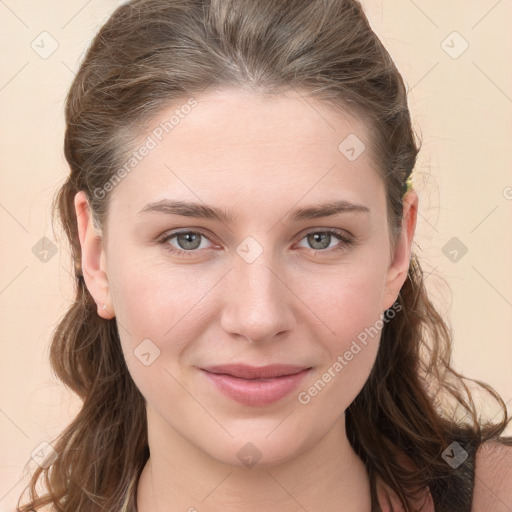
{"x": 493, "y": 478}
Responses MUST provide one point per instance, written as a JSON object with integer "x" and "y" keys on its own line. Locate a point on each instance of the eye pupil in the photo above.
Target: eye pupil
{"x": 190, "y": 240}
{"x": 319, "y": 237}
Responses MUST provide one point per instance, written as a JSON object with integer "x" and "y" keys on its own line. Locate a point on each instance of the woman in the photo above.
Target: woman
{"x": 251, "y": 329}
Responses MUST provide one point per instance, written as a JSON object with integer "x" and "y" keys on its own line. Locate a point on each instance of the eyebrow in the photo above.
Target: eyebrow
{"x": 201, "y": 211}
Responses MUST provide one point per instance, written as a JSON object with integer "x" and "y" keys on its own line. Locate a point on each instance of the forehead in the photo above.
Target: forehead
{"x": 228, "y": 145}
{"x": 243, "y": 119}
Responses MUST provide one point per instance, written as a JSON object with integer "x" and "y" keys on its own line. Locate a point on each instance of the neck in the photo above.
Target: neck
{"x": 180, "y": 477}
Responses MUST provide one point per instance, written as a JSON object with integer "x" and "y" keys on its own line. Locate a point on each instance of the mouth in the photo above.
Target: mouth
{"x": 263, "y": 373}
{"x": 255, "y": 386}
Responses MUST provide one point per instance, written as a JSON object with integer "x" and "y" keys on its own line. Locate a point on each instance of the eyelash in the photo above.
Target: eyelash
{"x": 346, "y": 242}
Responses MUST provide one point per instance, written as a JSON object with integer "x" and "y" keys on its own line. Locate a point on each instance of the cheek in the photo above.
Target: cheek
{"x": 151, "y": 310}
{"x": 345, "y": 300}
{"x": 348, "y": 311}
{"x": 157, "y": 314}
{"x": 349, "y": 356}
{"x": 153, "y": 300}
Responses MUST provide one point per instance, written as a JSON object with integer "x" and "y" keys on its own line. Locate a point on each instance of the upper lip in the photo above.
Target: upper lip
{"x": 256, "y": 372}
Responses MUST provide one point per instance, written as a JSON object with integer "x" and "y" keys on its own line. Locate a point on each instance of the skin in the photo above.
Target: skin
{"x": 258, "y": 158}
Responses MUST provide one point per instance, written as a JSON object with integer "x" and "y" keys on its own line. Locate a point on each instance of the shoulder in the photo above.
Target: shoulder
{"x": 389, "y": 501}
{"x": 493, "y": 478}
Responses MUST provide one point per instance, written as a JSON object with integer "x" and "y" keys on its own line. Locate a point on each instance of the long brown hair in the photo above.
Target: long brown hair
{"x": 152, "y": 53}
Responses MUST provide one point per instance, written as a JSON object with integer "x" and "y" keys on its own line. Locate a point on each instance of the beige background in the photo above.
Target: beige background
{"x": 461, "y": 106}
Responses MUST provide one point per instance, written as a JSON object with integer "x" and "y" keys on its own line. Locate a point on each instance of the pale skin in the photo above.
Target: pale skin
{"x": 258, "y": 159}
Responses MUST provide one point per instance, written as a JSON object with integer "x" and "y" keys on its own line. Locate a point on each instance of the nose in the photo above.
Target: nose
{"x": 258, "y": 303}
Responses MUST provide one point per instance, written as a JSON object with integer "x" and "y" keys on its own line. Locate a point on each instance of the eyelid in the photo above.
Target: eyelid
{"x": 345, "y": 238}
{"x": 168, "y": 235}
{"x": 333, "y": 231}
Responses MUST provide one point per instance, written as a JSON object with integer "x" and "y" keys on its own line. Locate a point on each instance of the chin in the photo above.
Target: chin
{"x": 257, "y": 452}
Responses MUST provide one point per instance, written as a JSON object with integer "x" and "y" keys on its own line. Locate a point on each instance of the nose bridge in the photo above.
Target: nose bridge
{"x": 258, "y": 302}
{"x": 256, "y": 282}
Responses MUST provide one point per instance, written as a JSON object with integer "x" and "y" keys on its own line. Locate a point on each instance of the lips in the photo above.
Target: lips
{"x": 244, "y": 371}
{"x": 255, "y": 386}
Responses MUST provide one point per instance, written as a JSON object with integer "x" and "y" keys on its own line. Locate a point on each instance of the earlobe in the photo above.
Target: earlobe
{"x": 93, "y": 257}
{"x": 399, "y": 267}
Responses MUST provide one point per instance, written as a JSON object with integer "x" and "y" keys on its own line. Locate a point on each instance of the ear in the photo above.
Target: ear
{"x": 93, "y": 257}
{"x": 397, "y": 272}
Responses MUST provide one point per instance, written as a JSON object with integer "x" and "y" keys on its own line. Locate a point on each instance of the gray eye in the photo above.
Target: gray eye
{"x": 188, "y": 241}
{"x": 319, "y": 240}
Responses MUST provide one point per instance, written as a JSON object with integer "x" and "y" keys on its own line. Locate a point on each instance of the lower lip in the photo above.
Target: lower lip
{"x": 256, "y": 392}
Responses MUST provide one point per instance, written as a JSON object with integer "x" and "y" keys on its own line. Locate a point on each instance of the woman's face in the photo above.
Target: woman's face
{"x": 248, "y": 288}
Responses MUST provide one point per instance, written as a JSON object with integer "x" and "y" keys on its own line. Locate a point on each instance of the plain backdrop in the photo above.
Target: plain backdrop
{"x": 455, "y": 58}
